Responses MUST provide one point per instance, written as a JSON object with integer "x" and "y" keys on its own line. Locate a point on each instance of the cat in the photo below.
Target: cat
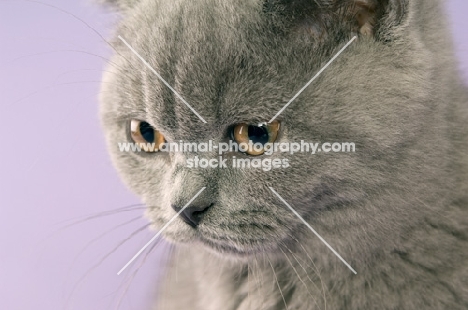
{"x": 396, "y": 209}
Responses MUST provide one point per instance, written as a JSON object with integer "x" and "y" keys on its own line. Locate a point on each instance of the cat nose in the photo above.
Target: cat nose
{"x": 192, "y": 215}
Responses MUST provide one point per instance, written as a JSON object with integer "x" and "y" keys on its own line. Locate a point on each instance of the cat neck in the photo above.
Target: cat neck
{"x": 261, "y": 281}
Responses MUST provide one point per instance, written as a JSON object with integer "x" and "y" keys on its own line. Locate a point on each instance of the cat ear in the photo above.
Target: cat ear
{"x": 317, "y": 18}
{"x": 121, "y": 5}
{"x": 377, "y": 17}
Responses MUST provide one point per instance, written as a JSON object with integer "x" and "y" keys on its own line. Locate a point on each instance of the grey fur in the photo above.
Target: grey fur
{"x": 396, "y": 210}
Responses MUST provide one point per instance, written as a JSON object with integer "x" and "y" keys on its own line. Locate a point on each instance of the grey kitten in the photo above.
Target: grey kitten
{"x": 395, "y": 210}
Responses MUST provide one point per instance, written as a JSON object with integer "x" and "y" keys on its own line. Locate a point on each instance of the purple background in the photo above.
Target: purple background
{"x": 54, "y": 166}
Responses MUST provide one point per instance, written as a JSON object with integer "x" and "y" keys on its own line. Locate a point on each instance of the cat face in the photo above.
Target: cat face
{"x": 240, "y": 62}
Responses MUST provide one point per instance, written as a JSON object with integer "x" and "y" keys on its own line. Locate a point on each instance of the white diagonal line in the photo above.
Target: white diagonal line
{"x": 159, "y": 232}
{"x": 313, "y": 79}
{"x": 162, "y": 80}
{"x": 313, "y": 230}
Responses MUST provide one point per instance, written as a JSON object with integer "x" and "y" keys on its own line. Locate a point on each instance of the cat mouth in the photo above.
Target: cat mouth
{"x": 224, "y": 248}
{"x": 241, "y": 249}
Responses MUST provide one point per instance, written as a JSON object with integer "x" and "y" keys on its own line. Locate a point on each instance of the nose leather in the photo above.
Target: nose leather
{"x": 192, "y": 215}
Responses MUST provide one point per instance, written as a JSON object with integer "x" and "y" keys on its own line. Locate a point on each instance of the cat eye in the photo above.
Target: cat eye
{"x": 143, "y": 134}
{"x": 263, "y": 134}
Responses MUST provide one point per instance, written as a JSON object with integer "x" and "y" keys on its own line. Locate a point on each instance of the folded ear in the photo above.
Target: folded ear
{"x": 374, "y": 18}
{"x": 377, "y": 17}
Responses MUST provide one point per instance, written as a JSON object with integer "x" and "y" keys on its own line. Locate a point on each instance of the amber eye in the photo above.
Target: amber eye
{"x": 148, "y": 138}
{"x": 258, "y": 135}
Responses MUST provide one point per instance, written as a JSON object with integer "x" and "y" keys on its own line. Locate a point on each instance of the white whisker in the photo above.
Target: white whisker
{"x": 277, "y": 283}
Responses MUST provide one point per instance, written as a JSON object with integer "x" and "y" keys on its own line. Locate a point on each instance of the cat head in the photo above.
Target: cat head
{"x": 237, "y": 63}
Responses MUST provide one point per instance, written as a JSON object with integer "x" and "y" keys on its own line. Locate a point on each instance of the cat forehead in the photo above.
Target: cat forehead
{"x": 225, "y": 80}
{"x": 228, "y": 87}
{"x": 210, "y": 95}
{"x": 225, "y": 59}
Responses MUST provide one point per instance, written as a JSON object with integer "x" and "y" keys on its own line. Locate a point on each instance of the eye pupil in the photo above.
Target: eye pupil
{"x": 258, "y": 134}
{"x": 243, "y": 133}
{"x": 147, "y": 132}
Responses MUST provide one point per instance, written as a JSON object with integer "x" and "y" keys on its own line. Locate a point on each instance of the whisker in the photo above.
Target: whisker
{"x": 300, "y": 278}
{"x": 177, "y": 259}
{"x": 89, "y": 27}
{"x": 249, "y": 300}
{"x": 173, "y": 254}
{"x": 75, "y": 287}
{"x": 75, "y": 17}
{"x": 135, "y": 272}
{"x": 317, "y": 271}
{"x": 259, "y": 281}
{"x": 41, "y": 247}
{"x": 277, "y": 283}
{"x": 29, "y": 38}
{"x": 107, "y": 60}
{"x": 67, "y": 277}
{"x": 43, "y": 89}
{"x": 303, "y": 268}
{"x": 80, "y": 220}
{"x": 94, "y": 240}
{"x": 81, "y": 70}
